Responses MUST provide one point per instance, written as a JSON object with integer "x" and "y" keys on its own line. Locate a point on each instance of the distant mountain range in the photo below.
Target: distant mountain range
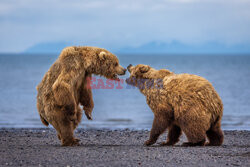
{"x": 174, "y": 47}
{"x": 50, "y": 47}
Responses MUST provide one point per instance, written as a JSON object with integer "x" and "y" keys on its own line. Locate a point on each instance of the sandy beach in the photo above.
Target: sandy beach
{"x": 40, "y": 147}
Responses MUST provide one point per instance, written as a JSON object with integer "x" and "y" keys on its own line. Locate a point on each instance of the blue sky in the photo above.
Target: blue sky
{"x": 117, "y": 24}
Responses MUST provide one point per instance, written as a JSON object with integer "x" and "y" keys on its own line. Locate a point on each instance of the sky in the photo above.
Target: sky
{"x": 122, "y": 23}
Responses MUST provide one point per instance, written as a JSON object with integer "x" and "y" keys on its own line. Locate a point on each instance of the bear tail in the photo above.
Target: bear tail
{"x": 44, "y": 121}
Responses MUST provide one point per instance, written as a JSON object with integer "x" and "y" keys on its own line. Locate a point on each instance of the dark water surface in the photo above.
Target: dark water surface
{"x": 124, "y": 107}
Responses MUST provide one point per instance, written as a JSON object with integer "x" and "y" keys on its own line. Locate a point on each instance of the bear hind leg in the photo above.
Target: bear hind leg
{"x": 174, "y": 132}
{"x": 67, "y": 134}
{"x": 196, "y": 137}
{"x": 190, "y": 144}
{"x": 215, "y": 135}
{"x": 65, "y": 131}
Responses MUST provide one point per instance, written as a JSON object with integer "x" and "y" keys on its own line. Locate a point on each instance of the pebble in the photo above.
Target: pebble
{"x": 116, "y": 148}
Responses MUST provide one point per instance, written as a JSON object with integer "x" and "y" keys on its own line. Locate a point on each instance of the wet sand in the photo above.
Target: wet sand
{"x": 40, "y": 147}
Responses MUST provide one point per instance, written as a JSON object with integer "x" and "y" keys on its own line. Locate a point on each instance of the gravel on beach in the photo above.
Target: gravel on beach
{"x": 40, "y": 147}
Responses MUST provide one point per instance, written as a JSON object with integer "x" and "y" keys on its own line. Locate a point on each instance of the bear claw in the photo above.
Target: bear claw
{"x": 88, "y": 115}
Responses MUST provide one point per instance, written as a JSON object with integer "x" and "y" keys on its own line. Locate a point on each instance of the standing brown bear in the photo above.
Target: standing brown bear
{"x": 64, "y": 88}
{"x": 180, "y": 102}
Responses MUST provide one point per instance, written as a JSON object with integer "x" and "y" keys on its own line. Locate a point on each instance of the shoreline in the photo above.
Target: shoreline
{"x": 103, "y": 147}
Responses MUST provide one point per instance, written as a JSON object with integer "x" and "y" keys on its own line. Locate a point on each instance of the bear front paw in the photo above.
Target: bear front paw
{"x": 189, "y": 144}
{"x": 166, "y": 144}
{"x": 88, "y": 113}
{"x": 149, "y": 143}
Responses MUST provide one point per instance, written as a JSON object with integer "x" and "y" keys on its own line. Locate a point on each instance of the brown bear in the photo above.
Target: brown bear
{"x": 64, "y": 88}
{"x": 180, "y": 102}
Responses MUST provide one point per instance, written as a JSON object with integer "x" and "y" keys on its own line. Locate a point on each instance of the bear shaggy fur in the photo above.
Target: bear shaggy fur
{"x": 64, "y": 88}
{"x": 180, "y": 102}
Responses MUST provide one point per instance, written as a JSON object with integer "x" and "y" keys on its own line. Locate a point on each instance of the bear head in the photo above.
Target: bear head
{"x": 145, "y": 77}
{"x": 108, "y": 65}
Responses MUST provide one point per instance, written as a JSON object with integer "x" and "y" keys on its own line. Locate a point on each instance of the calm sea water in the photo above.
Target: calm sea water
{"x": 124, "y": 108}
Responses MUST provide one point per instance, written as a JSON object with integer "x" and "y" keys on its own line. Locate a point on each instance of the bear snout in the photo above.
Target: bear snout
{"x": 124, "y": 71}
{"x": 121, "y": 71}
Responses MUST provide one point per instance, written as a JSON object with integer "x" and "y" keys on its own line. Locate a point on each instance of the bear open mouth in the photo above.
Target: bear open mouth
{"x": 114, "y": 77}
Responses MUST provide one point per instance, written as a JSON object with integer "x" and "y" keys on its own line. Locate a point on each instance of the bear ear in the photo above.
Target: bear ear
{"x": 102, "y": 55}
{"x": 144, "y": 69}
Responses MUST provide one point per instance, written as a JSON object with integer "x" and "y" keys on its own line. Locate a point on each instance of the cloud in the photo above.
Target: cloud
{"x": 115, "y": 24}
